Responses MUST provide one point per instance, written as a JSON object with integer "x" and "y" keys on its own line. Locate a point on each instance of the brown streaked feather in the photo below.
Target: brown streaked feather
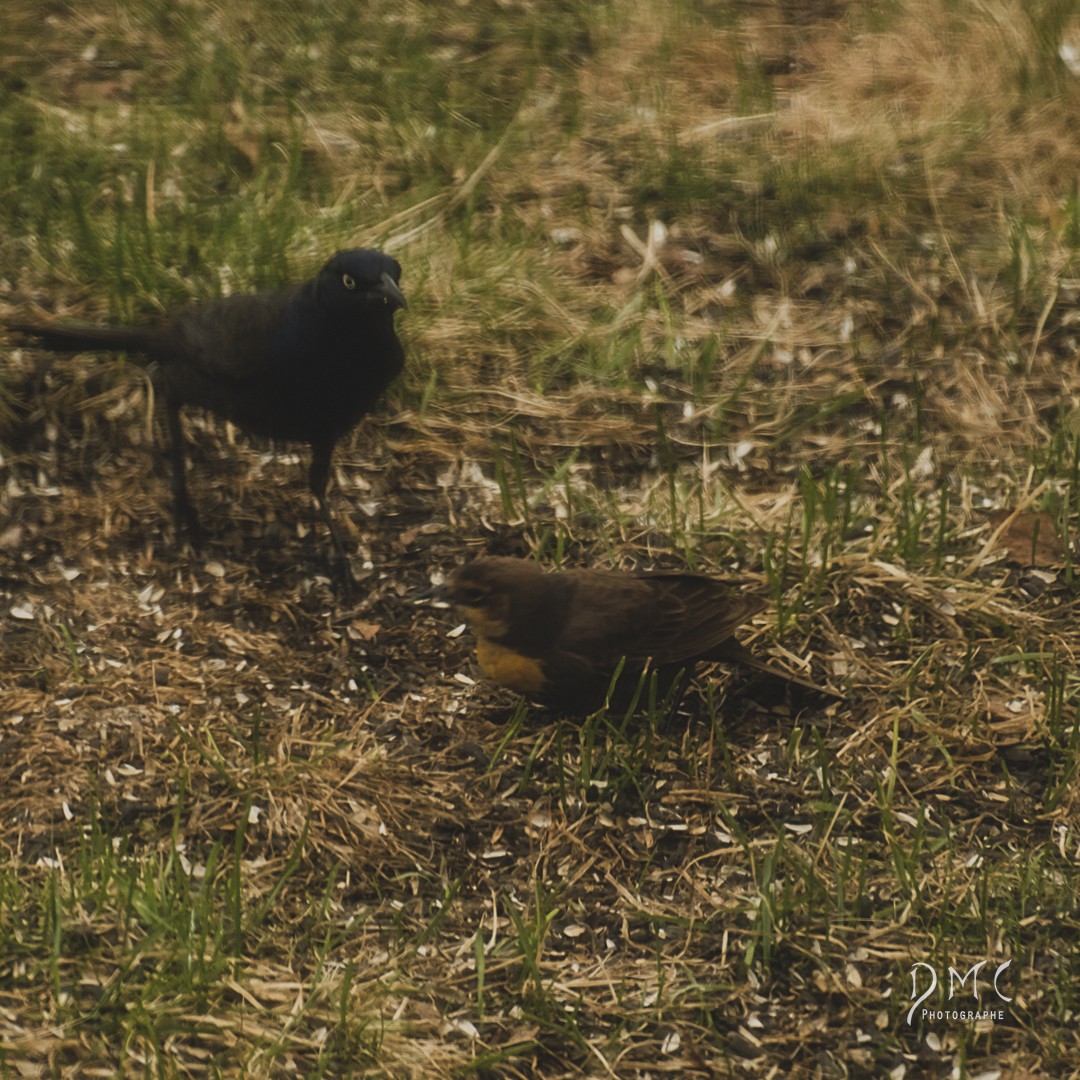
{"x": 668, "y": 617}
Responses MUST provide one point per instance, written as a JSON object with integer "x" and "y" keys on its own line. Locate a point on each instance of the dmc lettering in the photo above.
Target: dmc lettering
{"x": 955, "y": 979}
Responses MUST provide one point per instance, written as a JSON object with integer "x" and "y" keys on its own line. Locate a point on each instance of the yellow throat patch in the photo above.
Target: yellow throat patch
{"x": 508, "y": 668}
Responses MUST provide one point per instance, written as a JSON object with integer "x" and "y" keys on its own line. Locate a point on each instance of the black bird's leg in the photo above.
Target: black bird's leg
{"x": 318, "y": 478}
{"x": 184, "y": 516}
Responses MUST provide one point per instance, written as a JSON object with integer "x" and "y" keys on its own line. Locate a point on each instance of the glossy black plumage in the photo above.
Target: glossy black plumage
{"x": 303, "y": 363}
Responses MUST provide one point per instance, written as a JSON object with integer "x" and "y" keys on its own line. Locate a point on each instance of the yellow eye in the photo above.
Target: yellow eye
{"x": 348, "y": 281}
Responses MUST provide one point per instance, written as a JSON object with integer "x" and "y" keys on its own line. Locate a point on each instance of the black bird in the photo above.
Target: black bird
{"x": 300, "y": 363}
{"x": 560, "y": 637}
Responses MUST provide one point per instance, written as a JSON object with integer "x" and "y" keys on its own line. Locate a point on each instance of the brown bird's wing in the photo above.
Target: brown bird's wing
{"x": 667, "y": 619}
{"x": 671, "y": 618}
{"x": 692, "y": 615}
{"x": 675, "y": 620}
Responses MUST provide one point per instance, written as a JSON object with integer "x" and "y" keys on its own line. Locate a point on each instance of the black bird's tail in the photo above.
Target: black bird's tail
{"x": 84, "y": 338}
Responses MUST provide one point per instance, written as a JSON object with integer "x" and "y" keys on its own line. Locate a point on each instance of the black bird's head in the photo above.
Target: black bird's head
{"x": 361, "y": 277}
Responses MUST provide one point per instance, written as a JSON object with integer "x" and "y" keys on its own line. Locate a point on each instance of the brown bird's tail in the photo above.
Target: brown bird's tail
{"x": 739, "y": 655}
{"x": 82, "y": 338}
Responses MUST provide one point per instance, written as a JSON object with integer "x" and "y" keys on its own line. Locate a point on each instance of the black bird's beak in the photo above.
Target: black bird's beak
{"x": 389, "y": 291}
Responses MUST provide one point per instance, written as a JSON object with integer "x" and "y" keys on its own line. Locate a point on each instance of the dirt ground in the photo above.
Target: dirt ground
{"x": 179, "y": 693}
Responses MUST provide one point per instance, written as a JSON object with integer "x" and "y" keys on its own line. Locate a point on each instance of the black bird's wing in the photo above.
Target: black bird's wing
{"x": 228, "y": 355}
{"x": 235, "y": 340}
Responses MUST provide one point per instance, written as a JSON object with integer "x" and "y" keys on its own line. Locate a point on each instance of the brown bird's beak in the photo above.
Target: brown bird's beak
{"x": 437, "y": 594}
{"x": 389, "y": 291}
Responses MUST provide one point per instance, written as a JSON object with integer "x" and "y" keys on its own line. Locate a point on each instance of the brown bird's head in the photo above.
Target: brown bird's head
{"x": 490, "y": 592}
{"x": 514, "y": 610}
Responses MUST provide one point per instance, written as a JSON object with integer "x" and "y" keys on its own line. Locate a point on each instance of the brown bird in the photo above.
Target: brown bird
{"x": 559, "y": 637}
